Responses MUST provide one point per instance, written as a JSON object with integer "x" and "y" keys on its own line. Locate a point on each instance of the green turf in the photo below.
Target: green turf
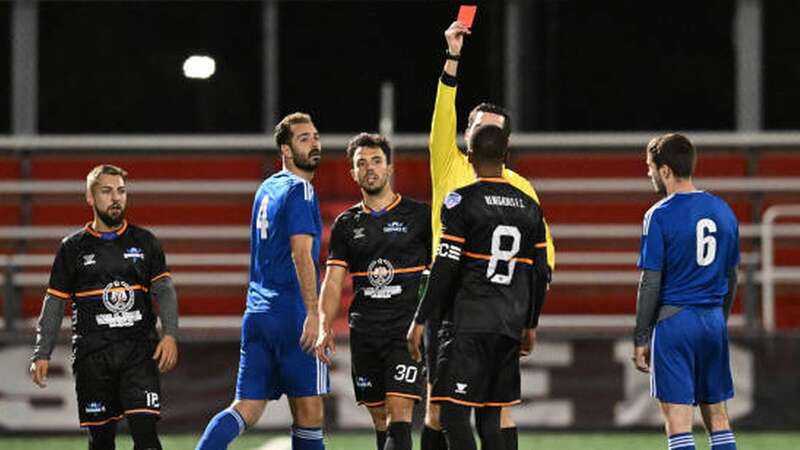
{"x": 364, "y": 441}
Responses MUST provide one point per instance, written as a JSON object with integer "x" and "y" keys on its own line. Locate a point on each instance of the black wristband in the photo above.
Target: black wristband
{"x": 448, "y": 55}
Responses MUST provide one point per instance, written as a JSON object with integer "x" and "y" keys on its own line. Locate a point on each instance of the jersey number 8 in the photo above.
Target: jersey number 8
{"x": 262, "y": 223}
{"x": 499, "y": 254}
{"x": 706, "y": 243}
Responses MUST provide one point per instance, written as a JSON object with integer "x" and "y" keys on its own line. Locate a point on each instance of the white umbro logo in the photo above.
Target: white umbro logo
{"x": 88, "y": 260}
{"x": 461, "y": 388}
{"x": 358, "y": 233}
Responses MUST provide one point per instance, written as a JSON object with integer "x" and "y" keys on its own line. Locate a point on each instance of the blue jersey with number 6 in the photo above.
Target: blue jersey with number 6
{"x": 692, "y": 238}
{"x": 285, "y": 205}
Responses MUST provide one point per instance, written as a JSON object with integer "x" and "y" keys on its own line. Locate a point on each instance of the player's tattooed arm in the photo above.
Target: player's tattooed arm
{"x": 727, "y": 302}
{"x": 307, "y": 277}
{"x": 46, "y": 334}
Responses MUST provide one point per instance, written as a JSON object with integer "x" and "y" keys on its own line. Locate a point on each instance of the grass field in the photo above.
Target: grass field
{"x": 363, "y": 441}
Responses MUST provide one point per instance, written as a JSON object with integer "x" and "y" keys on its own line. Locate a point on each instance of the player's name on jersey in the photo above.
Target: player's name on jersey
{"x": 500, "y": 200}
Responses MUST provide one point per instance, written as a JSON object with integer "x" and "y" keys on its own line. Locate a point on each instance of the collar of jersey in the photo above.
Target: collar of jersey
{"x": 107, "y": 236}
{"x": 383, "y": 211}
{"x": 493, "y": 180}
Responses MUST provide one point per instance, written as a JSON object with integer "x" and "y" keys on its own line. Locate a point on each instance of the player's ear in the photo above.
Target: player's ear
{"x": 665, "y": 172}
{"x": 89, "y": 198}
{"x": 286, "y": 152}
{"x": 389, "y": 170}
{"x": 354, "y": 175}
{"x": 469, "y": 156}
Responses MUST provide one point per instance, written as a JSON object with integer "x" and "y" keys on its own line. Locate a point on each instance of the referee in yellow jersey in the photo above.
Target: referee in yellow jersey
{"x": 450, "y": 170}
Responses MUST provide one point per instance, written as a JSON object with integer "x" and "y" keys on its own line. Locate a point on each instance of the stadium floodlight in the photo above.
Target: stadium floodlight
{"x": 199, "y": 67}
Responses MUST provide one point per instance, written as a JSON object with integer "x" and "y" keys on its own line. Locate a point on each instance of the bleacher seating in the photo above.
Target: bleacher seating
{"x": 337, "y": 192}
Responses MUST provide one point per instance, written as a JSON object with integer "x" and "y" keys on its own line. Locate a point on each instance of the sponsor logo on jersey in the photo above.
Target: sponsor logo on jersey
{"x": 134, "y": 252}
{"x": 500, "y": 200}
{"x": 88, "y": 260}
{"x": 95, "y": 408}
{"x": 461, "y": 388}
{"x": 380, "y": 273}
{"x": 395, "y": 227}
{"x": 363, "y": 382}
{"x": 452, "y": 199}
{"x": 358, "y": 233}
{"x": 119, "y": 298}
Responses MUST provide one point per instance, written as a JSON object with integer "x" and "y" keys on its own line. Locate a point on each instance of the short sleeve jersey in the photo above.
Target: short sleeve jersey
{"x": 692, "y": 238}
{"x": 493, "y": 229}
{"x": 108, "y": 277}
{"x": 285, "y": 205}
{"x": 386, "y": 252}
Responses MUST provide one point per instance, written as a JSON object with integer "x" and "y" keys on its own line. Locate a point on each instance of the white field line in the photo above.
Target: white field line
{"x": 281, "y": 443}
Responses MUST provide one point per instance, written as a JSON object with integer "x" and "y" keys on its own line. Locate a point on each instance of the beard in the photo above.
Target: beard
{"x": 306, "y": 162}
{"x": 658, "y": 185}
{"x": 375, "y": 188}
{"x": 111, "y": 217}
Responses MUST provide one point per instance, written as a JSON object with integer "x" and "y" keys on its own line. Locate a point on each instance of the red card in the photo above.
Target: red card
{"x": 466, "y": 14}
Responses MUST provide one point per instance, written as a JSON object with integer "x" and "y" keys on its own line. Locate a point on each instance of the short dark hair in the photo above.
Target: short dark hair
{"x": 369, "y": 140}
{"x": 491, "y": 108}
{"x": 674, "y": 151}
{"x": 283, "y": 130}
{"x": 489, "y": 143}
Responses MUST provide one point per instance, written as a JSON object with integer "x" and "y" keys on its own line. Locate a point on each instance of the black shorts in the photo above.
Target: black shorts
{"x": 477, "y": 369}
{"x": 119, "y": 380}
{"x": 431, "y": 348}
{"x": 382, "y": 367}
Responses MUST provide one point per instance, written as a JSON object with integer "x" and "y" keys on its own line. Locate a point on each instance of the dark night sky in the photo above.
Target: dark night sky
{"x": 115, "y": 67}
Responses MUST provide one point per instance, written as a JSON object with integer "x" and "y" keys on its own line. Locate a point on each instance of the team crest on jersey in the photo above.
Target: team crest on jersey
{"x": 452, "y": 199}
{"x": 395, "y": 227}
{"x": 88, "y": 260}
{"x": 358, "y": 233}
{"x": 119, "y": 298}
{"x": 380, "y": 274}
{"x": 134, "y": 252}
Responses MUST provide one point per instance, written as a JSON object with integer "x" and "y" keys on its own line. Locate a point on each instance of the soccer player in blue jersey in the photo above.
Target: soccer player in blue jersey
{"x": 689, "y": 254}
{"x": 281, "y": 322}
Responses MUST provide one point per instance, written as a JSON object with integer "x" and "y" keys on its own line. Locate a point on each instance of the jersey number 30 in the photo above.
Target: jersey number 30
{"x": 262, "y": 223}
{"x": 706, "y": 243}
{"x": 499, "y": 254}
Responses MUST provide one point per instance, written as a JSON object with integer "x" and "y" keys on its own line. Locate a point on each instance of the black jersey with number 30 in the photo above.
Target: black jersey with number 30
{"x": 493, "y": 244}
{"x": 386, "y": 253}
{"x": 107, "y": 277}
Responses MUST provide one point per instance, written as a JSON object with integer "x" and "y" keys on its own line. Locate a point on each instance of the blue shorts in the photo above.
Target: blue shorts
{"x": 689, "y": 359}
{"x": 271, "y": 362}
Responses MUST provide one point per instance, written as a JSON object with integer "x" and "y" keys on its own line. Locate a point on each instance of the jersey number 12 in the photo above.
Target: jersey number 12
{"x": 706, "y": 242}
{"x": 262, "y": 223}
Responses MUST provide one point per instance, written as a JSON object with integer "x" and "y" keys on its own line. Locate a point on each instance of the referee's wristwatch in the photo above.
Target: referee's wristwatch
{"x": 451, "y": 56}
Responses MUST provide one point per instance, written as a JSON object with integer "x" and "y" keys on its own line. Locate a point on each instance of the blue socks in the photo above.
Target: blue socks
{"x": 681, "y": 441}
{"x": 307, "y": 439}
{"x": 221, "y": 430}
{"x": 722, "y": 440}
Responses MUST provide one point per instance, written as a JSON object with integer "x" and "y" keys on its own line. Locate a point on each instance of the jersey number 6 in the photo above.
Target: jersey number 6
{"x": 499, "y": 254}
{"x": 706, "y": 243}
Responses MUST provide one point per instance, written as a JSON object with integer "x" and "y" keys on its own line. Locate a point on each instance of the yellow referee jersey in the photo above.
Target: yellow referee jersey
{"x": 451, "y": 170}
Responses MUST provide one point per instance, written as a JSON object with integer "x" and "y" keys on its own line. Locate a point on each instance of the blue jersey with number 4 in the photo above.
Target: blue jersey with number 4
{"x": 285, "y": 205}
{"x": 692, "y": 238}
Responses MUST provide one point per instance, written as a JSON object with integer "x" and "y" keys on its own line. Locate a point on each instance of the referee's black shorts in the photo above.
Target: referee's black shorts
{"x": 119, "y": 380}
{"x": 477, "y": 369}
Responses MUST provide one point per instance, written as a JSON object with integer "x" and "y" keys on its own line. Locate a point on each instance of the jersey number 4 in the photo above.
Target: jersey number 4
{"x": 262, "y": 223}
{"x": 706, "y": 242}
{"x": 499, "y": 254}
